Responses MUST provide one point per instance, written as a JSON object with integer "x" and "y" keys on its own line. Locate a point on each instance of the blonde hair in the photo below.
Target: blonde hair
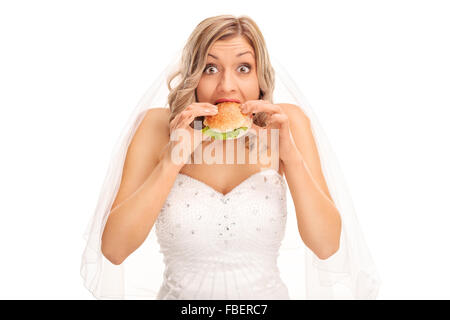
{"x": 193, "y": 60}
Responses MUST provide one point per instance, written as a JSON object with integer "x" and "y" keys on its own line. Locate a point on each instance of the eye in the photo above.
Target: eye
{"x": 208, "y": 66}
{"x": 246, "y": 66}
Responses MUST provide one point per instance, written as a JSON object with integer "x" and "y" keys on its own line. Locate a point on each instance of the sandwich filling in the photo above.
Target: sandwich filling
{"x": 223, "y": 135}
{"x": 228, "y": 124}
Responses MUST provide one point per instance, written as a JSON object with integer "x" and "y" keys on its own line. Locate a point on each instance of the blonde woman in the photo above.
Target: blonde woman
{"x": 220, "y": 226}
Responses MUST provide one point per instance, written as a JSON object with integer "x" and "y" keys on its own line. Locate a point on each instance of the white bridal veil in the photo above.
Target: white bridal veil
{"x": 349, "y": 274}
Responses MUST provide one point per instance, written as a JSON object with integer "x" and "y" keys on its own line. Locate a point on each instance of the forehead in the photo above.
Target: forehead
{"x": 233, "y": 45}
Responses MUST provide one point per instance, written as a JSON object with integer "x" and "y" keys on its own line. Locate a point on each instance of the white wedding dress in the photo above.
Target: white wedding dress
{"x": 218, "y": 246}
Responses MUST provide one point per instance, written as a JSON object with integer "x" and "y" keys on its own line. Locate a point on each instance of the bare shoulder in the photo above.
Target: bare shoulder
{"x": 294, "y": 112}
{"x": 156, "y": 118}
{"x": 153, "y": 133}
{"x": 143, "y": 151}
{"x": 301, "y": 129}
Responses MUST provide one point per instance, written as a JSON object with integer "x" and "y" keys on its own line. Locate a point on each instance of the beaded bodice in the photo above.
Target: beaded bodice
{"x": 218, "y": 246}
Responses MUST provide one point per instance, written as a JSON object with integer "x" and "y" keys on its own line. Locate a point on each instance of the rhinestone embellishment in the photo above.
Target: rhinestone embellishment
{"x": 224, "y": 217}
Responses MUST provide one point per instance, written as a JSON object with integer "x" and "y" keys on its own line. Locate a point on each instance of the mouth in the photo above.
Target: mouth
{"x": 227, "y": 100}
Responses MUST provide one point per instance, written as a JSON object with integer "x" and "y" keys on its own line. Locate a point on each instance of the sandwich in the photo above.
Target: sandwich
{"x": 228, "y": 123}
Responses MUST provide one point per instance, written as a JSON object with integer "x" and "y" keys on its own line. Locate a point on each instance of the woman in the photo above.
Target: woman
{"x": 220, "y": 226}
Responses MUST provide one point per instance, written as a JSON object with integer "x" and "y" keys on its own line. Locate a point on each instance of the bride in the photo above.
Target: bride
{"x": 220, "y": 227}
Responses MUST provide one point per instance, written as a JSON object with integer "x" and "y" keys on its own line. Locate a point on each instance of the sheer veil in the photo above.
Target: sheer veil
{"x": 349, "y": 274}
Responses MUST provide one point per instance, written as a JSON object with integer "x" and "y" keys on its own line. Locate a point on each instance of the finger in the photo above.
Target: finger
{"x": 255, "y": 101}
{"x": 196, "y": 110}
{"x": 205, "y": 105}
{"x": 255, "y": 107}
{"x": 198, "y": 114}
{"x": 278, "y": 120}
{"x": 175, "y": 121}
{"x": 205, "y": 109}
{"x": 185, "y": 124}
{"x": 181, "y": 116}
{"x": 201, "y": 111}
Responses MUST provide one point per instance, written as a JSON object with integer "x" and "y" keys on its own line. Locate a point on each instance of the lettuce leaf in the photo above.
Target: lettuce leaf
{"x": 222, "y": 135}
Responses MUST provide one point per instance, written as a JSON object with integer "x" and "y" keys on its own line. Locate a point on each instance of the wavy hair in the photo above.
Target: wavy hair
{"x": 193, "y": 60}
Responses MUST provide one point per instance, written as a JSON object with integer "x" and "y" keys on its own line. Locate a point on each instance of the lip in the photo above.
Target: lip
{"x": 227, "y": 100}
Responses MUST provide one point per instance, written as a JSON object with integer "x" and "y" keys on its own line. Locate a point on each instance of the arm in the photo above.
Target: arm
{"x": 148, "y": 176}
{"x": 318, "y": 219}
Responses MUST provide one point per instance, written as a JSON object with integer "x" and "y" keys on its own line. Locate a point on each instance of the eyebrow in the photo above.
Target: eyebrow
{"x": 238, "y": 55}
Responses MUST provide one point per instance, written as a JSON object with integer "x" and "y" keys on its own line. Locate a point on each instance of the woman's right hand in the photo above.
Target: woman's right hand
{"x": 183, "y": 122}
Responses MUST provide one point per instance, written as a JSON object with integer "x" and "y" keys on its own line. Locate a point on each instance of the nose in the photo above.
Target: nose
{"x": 228, "y": 82}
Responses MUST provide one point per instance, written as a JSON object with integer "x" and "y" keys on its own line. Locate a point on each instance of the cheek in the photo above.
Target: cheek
{"x": 252, "y": 86}
{"x": 202, "y": 89}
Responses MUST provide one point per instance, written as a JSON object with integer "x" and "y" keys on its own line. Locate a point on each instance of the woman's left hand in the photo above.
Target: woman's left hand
{"x": 276, "y": 119}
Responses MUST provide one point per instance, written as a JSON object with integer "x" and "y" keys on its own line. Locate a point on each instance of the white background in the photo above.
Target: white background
{"x": 375, "y": 72}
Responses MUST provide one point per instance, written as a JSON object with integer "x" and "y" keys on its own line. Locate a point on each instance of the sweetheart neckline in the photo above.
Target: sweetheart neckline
{"x": 236, "y": 187}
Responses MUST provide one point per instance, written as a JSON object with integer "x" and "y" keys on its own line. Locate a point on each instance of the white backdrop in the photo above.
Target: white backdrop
{"x": 375, "y": 72}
